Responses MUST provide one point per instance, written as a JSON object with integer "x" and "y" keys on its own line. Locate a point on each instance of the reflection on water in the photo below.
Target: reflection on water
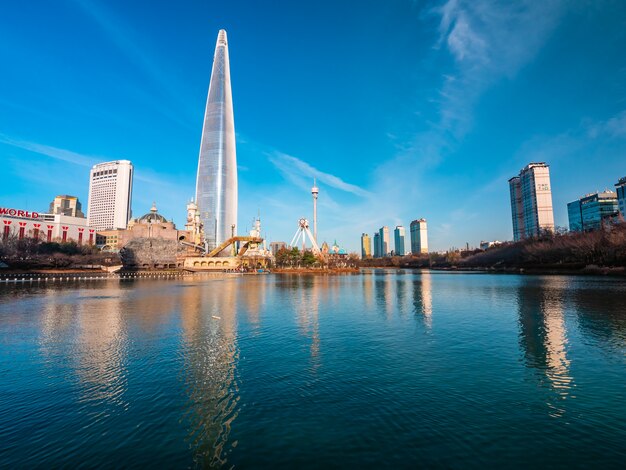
{"x": 543, "y": 334}
{"x": 315, "y": 371}
{"x": 422, "y": 298}
{"x": 209, "y": 357}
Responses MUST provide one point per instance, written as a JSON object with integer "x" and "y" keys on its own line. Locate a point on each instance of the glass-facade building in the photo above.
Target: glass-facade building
{"x": 366, "y": 246}
{"x": 531, "y": 201}
{"x": 591, "y": 211}
{"x": 575, "y": 216}
{"x": 620, "y": 188}
{"x": 383, "y": 233}
{"x": 216, "y": 183}
{"x": 419, "y": 236}
{"x": 399, "y": 236}
{"x": 377, "y": 245}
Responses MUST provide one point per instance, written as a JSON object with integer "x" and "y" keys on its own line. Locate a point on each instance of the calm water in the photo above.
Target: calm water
{"x": 385, "y": 369}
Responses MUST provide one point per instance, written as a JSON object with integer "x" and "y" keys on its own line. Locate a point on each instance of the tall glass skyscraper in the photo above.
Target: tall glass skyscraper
{"x": 216, "y": 184}
{"x": 399, "y": 235}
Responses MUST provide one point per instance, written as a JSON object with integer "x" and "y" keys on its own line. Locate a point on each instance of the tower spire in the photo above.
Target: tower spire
{"x": 314, "y": 192}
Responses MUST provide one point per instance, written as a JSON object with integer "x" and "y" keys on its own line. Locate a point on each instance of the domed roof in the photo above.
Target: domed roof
{"x": 152, "y": 217}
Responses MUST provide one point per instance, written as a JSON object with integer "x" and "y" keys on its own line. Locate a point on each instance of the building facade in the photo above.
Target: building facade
{"x": 149, "y": 225}
{"x": 66, "y": 205}
{"x": 385, "y": 246}
{"x": 216, "y": 183}
{"x": 419, "y": 236}
{"x": 531, "y": 201}
{"x": 110, "y": 195}
{"x": 591, "y": 211}
{"x": 399, "y": 234}
{"x": 377, "y": 245}
{"x": 620, "y": 189}
{"x": 45, "y": 227}
{"x": 366, "y": 246}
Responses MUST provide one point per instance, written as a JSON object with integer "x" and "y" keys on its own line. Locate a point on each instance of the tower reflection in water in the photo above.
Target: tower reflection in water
{"x": 543, "y": 335}
{"x": 307, "y": 311}
{"x": 210, "y": 353}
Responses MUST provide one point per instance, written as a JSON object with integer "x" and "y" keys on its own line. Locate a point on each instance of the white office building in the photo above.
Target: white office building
{"x": 531, "y": 201}
{"x": 110, "y": 195}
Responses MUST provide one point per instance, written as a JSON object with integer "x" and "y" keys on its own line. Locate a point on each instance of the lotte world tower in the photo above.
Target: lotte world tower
{"x": 216, "y": 183}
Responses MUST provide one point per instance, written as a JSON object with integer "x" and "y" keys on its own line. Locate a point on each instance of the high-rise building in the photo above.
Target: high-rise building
{"x": 275, "y": 247}
{"x": 66, "y": 205}
{"x": 531, "y": 201}
{"x": 399, "y": 236}
{"x": 366, "y": 246}
{"x": 517, "y": 209}
{"x": 110, "y": 195}
{"x": 216, "y": 184}
{"x": 377, "y": 245}
{"x": 419, "y": 236}
{"x": 589, "y": 212}
{"x": 385, "y": 248}
{"x": 620, "y": 188}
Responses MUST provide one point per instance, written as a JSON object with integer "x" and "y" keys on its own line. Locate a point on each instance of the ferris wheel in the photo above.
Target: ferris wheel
{"x": 301, "y": 234}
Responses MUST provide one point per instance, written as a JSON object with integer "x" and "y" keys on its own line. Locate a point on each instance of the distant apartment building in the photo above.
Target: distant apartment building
{"x": 399, "y": 235}
{"x": 419, "y": 236}
{"x": 366, "y": 246}
{"x": 589, "y": 212}
{"x": 377, "y": 245}
{"x": 385, "y": 248}
{"x": 275, "y": 247}
{"x": 66, "y": 205}
{"x": 110, "y": 195}
{"x": 620, "y": 188}
{"x": 531, "y": 201}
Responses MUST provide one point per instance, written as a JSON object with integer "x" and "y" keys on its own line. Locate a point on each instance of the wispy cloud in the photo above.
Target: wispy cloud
{"x": 69, "y": 156}
{"x": 489, "y": 40}
{"x": 53, "y": 152}
{"x": 301, "y": 173}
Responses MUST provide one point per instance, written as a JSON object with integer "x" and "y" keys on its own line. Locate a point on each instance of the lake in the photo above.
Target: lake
{"x": 388, "y": 368}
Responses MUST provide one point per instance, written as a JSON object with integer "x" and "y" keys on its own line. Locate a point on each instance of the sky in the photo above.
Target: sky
{"x": 400, "y": 109}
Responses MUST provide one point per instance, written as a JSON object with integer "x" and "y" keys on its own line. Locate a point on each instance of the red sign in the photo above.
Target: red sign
{"x": 19, "y": 213}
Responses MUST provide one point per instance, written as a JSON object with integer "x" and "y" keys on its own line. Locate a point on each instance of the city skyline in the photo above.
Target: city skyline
{"x": 437, "y": 129}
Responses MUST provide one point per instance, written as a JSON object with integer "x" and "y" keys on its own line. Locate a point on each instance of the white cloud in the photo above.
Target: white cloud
{"x": 301, "y": 173}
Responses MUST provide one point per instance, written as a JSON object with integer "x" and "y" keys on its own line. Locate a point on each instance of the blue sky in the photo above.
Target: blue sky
{"x": 401, "y": 109}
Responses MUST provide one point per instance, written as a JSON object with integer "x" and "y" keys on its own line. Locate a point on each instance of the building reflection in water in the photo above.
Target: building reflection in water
{"x": 367, "y": 279}
{"x": 543, "y": 335}
{"x": 423, "y": 299}
{"x": 383, "y": 287}
{"x": 97, "y": 345}
{"x": 306, "y": 300}
{"x": 210, "y": 354}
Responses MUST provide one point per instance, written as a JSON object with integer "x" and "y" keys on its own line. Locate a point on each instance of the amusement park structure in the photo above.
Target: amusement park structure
{"x": 302, "y": 233}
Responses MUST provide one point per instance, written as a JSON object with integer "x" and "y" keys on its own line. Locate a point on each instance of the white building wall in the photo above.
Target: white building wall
{"x": 110, "y": 195}
{"x": 50, "y": 227}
